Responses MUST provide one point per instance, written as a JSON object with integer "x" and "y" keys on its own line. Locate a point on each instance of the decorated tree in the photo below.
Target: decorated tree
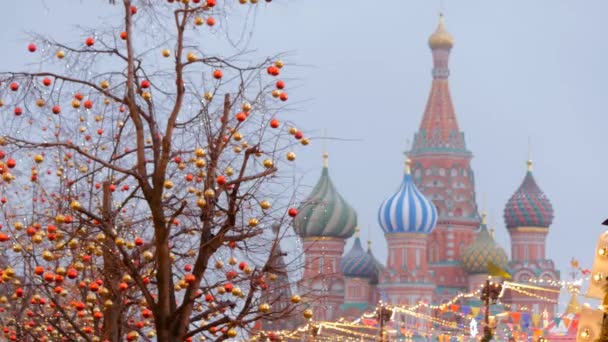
{"x": 141, "y": 192}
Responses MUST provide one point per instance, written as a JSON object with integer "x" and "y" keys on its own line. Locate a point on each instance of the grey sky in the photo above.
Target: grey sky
{"x": 519, "y": 69}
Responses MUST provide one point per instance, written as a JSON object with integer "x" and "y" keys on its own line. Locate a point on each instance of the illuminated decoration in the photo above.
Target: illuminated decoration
{"x": 473, "y": 327}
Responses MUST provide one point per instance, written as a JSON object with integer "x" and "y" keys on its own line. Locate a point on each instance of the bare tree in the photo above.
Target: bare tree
{"x": 140, "y": 181}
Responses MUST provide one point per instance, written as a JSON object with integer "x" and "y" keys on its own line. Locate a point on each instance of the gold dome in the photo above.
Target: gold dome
{"x": 441, "y": 38}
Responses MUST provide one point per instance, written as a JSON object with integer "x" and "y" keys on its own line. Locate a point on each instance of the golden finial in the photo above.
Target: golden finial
{"x": 369, "y": 245}
{"x": 325, "y": 159}
{"x": 484, "y": 218}
{"x": 357, "y": 232}
{"x": 529, "y": 163}
{"x": 408, "y": 166}
{"x": 441, "y": 38}
{"x": 492, "y": 231}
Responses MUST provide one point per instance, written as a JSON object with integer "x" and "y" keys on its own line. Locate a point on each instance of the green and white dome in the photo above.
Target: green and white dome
{"x": 325, "y": 213}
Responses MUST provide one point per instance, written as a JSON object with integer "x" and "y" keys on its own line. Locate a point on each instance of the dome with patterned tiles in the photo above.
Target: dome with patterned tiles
{"x": 484, "y": 249}
{"x": 325, "y": 213}
{"x": 529, "y": 206}
{"x": 358, "y": 263}
{"x": 407, "y": 210}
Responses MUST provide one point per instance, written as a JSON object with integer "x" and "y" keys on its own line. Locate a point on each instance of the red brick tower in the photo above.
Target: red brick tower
{"x": 442, "y": 171}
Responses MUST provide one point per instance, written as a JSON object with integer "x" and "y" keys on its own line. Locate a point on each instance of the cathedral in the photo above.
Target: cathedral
{"x": 439, "y": 245}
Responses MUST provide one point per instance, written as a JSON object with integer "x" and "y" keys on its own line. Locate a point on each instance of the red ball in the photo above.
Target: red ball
{"x": 88, "y": 104}
{"x": 78, "y": 96}
{"x": 56, "y": 109}
{"x": 299, "y": 135}
{"x": 283, "y": 97}
{"x": 32, "y": 47}
{"x": 220, "y": 180}
{"x": 210, "y": 21}
{"x": 273, "y": 70}
{"x": 217, "y": 74}
{"x": 145, "y": 84}
{"x": 292, "y": 212}
{"x": 90, "y": 41}
{"x": 280, "y": 84}
{"x": 46, "y": 81}
{"x": 241, "y": 116}
{"x": 210, "y": 3}
{"x": 123, "y": 35}
{"x": 18, "y": 111}
{"x": 14, "y": 86}
{"x": 274, "y": 123}
{"x": 133, "y": 9}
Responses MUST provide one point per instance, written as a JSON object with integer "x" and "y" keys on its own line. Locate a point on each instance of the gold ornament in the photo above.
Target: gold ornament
{"x": 295, "y": 299}
{"x": 166, "y": 53}
{"x": 307, "y": 314}
{"x": 201, "y": 203}
{"x": 276, "y": 93}
{"x": 191, "y": 57}
{"x": 268, "y": 163}
{"x": 200, "y": 163}
{"x": 293, "y": 130}
{"x": 60, "y": 54}
{"x": 40, "y": 103}
{"x": 75, "y": 104}
{"x": 279, "y": 64}
{"x": 264, "y": 308}
{"x": 265, "y": 205}
{"x": 305, "y": 141}
{"x": 75, "y": 205}
{"x": 168, "y": 184}
{"x": 146, "y": 95}
{"x": 199, "y": 152}
{"x": 104, "y": 84}
{"x": 208, "y": 95}
{"x": 232, "y": 261}
{"x": 291, "y": 156}
{"x": 209, "y": 193}
{"x": 38, "y": 158}
{"x": 198, "y": 21}
{"x": 229, "y": 171}
{"x": 253, "y": 222}
{"x": 219, "y": 264}
{"x": 246, "y": 107}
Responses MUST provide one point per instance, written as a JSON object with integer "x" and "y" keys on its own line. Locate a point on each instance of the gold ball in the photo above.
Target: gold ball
{"x": 75, "y": 205}
{"x": 265, "y": 205}
{"x": 191, "y": 57}
{"x": 279, "y": 64}
{"x": 305, "y": 141}
{"x": 199, "y": 152}
{"x": 293, "y": 130}
{"x": 253, "y": 222}
{"x": 40, "y": 103}
{"x": 76, "y": 104}
{"x": 268, "y": 163}
{"x": 295, "y": 299}
{"x": 291, "y": 156}
{"x": 146, "y": 95}
{"x": 198, "y": 21}
{"x": 60, "y": 54}
{"x": 38, "y": 158}
{"x": 264, "y": 308}
{"x": 104, "y": 84}
{"x": 166, "y": 53}
{"x": 276, "y": 93}
{"x": 307, "y": 313}
{"x": 209, "y": 193}
{"x": 208, "y": 95}
{"x": 246, "y": 107}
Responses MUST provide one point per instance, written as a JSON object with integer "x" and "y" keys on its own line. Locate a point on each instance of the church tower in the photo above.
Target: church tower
{"x": 442, "y": 171}
{"x": 323, "y": 223}
{"x": 528, "y": 215}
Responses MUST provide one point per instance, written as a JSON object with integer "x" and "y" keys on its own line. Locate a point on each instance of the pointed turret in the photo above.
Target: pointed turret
{"x": 439, "y": 130}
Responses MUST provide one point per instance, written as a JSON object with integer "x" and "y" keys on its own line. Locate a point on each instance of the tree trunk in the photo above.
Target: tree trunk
{"x": 112, "y": 315}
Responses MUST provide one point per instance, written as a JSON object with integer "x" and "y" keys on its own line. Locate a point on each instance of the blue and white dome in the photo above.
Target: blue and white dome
{"x": 408, "y": 210}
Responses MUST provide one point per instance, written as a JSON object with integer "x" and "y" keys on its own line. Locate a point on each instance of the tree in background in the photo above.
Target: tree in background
{"x": 140, "y": 181}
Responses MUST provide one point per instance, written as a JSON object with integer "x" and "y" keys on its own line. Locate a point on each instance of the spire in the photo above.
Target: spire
{"x": 408, "y": 166}
{"x": 325, "y": 160}
{"x": 439, "y": 131}
{"x": 357, "y": 232}
{"x": 529, "y": 163}
{"x": 369, "y": 245}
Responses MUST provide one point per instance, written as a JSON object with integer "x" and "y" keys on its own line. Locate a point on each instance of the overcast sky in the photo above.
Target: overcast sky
{"x": 519, "y": 69}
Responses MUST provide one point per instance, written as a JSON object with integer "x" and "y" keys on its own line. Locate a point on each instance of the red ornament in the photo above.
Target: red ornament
{"x": 189, "y": 177}
{"x": 123, "y": 35}
{"x": 280, "y": 84}
{"x": 11, "y": 163}
{"x": 241, "y": 116}
{"x": 18, "y": 111}
{"x": 90, "y": 41}
{"x": 283, "y": 97}
{"x": 242, "y": 265}
{"x": 220, "y": 180}
{"x": 72, "y": 273}
{"x": 210, "y": 3}
{"x": 188, "y": 268}
{"x": 145, "y": 84}
{"x": 139, "y": 241}
{"x": 78, "y": 96}
{"x": 88, "y": 104}
{"x": 217, "y": 74}
{"x": 133, "y": 10}
{"x": 292, "y": 212}
{"x": 273, "y": 70}
{"x": 232, "y": 244}
{"x": 46, "y": 81}
{"x": 210, "y": 21}
{"x": 208, "y": 298}
{"x": 100, "y": 131}
{"x": 32, "y": 47}
{"x": 299, "y": 135}
{"x": 14, "y": 86}
{"x": 274, "y": 123}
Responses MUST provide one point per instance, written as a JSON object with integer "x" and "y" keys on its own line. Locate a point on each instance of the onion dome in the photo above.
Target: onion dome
{"x": 358, "y": 263}
{"x": 441, "y": 39}
{"x": 325, "y": 213}
{"x": 529, "y": 206}
{"x": 484, "y": 249}
{"x": 408, "y": 210}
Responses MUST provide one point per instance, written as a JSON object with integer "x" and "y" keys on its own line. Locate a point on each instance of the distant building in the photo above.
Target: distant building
{"x": 438, "y": 243}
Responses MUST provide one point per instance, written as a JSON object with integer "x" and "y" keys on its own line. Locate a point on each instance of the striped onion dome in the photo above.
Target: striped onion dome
{"x": 358, "y": 263}
{"x": 325, "y": 213}
{"x": 529, "y": 206}
{"x": 484, "y": 249}
{"x": 407, "y": 210}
